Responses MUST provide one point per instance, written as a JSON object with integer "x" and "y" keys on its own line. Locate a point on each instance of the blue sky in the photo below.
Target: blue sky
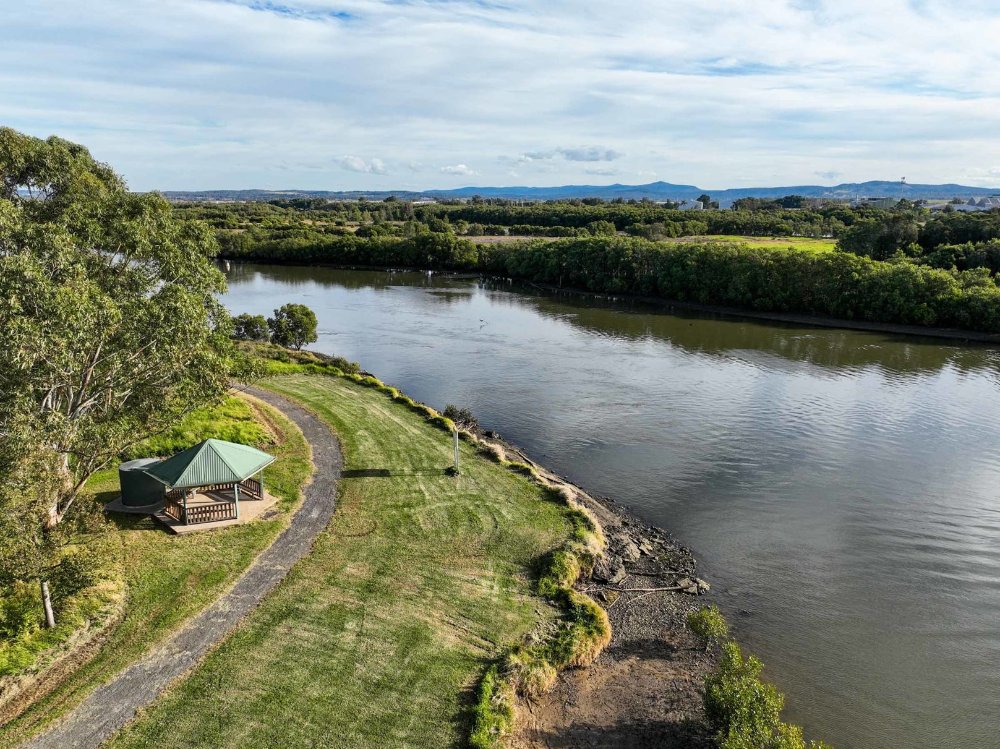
{"x": 377, "y": 94}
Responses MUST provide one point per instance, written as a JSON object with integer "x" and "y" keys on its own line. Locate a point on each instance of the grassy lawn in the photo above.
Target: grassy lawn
{"x": 168, "y": 578}
{"x": 810, "y": 244}
{"x": 376, "y": 639}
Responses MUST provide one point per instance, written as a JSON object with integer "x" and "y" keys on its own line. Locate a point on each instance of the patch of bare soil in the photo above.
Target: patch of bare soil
{"x": 645, "y": 688}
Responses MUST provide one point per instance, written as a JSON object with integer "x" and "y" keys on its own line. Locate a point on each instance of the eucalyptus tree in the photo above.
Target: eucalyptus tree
{"x": 109, "y": 324}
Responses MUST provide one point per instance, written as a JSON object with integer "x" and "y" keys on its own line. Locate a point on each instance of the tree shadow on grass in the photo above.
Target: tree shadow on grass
{"x": 384, "y": 473}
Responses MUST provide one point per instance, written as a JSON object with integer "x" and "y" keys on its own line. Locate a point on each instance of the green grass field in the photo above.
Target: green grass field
{"x": 799, "y": 243}
{"x": 169, "y": 578}
{"x": 377, "y": 638}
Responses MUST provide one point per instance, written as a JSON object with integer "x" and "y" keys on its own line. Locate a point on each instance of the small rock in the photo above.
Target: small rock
{"x": 687, "y": 585}
{"x": 646, "y": 547}
{"x": 609, "y": 570}
{"x": 703, "y": 587}
{"x": 630, "y": 552}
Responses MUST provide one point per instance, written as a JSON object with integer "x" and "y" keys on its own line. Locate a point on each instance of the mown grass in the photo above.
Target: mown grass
{"x": 169, "y": 578}
{"x": 379, "y": 636}
{"x": 810, "y": 244}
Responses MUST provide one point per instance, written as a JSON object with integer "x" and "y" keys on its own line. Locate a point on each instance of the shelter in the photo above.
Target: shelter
{"x": 206, "y": 482}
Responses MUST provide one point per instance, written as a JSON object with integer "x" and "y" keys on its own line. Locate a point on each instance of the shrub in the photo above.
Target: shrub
{"x": 461, "y": 416}
{"x": 709, "y": 625}
{"x": 559, "y": 569}
{"x": 19, "y": 607}
{"x": 745, "y": 712}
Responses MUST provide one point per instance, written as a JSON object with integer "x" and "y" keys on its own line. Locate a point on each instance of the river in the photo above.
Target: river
{"x": 841, "y": 489}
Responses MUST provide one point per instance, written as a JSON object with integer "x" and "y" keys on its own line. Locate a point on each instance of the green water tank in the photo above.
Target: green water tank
{"x": 139, "y": 489}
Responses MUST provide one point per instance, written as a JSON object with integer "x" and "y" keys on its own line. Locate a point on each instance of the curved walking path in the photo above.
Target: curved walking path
{"x": 115, "y": 703}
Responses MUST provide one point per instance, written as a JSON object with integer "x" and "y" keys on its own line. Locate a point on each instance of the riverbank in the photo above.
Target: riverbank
{"x": 645, "y": 688}
{"x": 671, "y": 305}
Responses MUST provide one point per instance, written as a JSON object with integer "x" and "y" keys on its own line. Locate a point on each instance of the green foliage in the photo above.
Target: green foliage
{"x": 493, "y": 714}
{"x": 463, "y": 417}
{"x": 744, "y": 711}
{"x": 232, "y": 420}
{"x": 109, "y": 329}
{"x": 881, "y": 238}
{"x": 835, "y": 284}
{"x": 293, "y": 325}
{"x": 559, "y": 569}
{"x": 708, "y": 624}
{"x": 250, "y": 328}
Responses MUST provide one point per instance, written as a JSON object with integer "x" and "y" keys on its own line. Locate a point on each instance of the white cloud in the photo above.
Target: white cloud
{"x": 460, "y": 170}
{"x": 358, "y": 164}
{"x": 713, "y": 93}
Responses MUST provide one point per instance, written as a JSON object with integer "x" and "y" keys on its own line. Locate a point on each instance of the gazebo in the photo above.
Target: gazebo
{"x": 205, "y": 483}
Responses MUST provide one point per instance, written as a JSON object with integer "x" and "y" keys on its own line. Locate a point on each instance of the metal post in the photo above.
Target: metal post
{"x": 236, "y": 493}
{"x": 185, "y": 507}
{"x": 456, "y": 448}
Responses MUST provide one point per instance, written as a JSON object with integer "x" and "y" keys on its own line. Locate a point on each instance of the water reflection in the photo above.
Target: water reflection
{"x": 839, "y": 486}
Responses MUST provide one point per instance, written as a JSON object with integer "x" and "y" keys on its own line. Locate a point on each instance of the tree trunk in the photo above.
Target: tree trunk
{"x": 50, "y": 617}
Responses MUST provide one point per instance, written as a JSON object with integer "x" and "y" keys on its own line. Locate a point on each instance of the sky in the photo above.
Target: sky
{"x": 420, "y": 94}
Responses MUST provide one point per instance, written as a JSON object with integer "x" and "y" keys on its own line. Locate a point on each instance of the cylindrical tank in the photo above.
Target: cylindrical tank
{"x": 139, "y": 489}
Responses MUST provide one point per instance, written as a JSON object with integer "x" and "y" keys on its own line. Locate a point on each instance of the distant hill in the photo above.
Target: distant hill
{"x": 660, "y": 191}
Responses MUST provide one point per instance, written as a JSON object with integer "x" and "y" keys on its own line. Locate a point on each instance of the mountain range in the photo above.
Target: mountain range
{"x": 659, "y": 191}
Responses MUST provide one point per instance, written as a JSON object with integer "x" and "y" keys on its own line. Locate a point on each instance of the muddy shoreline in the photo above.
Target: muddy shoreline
{"x": 645, "y": 688}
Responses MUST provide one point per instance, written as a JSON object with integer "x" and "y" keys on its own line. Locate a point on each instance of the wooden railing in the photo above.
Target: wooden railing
{"x": 211, "y": 513}
{"x": 173, "y": 505}
{"x": 252, "y": 488}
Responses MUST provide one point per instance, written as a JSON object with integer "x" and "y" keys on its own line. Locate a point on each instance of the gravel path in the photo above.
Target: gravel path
{"x": 114, "y": 704}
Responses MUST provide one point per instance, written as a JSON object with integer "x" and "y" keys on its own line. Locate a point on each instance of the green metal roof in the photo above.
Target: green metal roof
{"x": 210, "y": 462}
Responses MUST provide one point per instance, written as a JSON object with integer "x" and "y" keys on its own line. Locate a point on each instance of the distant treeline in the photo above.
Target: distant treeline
{"x": 900, "y": 266}
{"x": 833, "y": 284}
{"x": 503, "y": 217}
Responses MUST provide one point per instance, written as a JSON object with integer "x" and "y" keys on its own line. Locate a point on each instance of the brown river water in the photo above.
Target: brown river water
{"x": 841, "y": 489}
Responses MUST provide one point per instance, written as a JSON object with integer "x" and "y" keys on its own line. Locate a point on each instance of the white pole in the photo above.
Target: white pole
{"x": 456, "y": 448}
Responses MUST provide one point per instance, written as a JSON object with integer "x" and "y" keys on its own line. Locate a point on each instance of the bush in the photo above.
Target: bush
{"x": 708, "y": 624}
{"x": 20, "y": 605}
{"x": 461, "y": 416}
{"x": 559, "y": 569}
{"x": 745, "y": 712}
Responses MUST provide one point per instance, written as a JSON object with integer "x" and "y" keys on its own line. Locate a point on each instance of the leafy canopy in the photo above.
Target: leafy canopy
{"x": 293, "y": 326}
{"x": 109, "y": 324}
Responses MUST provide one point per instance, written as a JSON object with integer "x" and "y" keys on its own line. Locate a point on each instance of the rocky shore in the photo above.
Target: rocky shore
{"x": 645, "y": 688}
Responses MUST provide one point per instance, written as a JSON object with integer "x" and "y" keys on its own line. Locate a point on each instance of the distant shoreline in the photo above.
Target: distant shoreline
{"x": 911, "y": 331}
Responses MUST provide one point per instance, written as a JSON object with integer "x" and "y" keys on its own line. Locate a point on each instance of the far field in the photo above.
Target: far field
{"x": 809, "y": 244}
{"x": 799, "y": 243}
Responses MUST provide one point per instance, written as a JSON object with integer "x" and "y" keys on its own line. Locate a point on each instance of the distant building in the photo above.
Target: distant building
{"x": 694, "y": 205}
